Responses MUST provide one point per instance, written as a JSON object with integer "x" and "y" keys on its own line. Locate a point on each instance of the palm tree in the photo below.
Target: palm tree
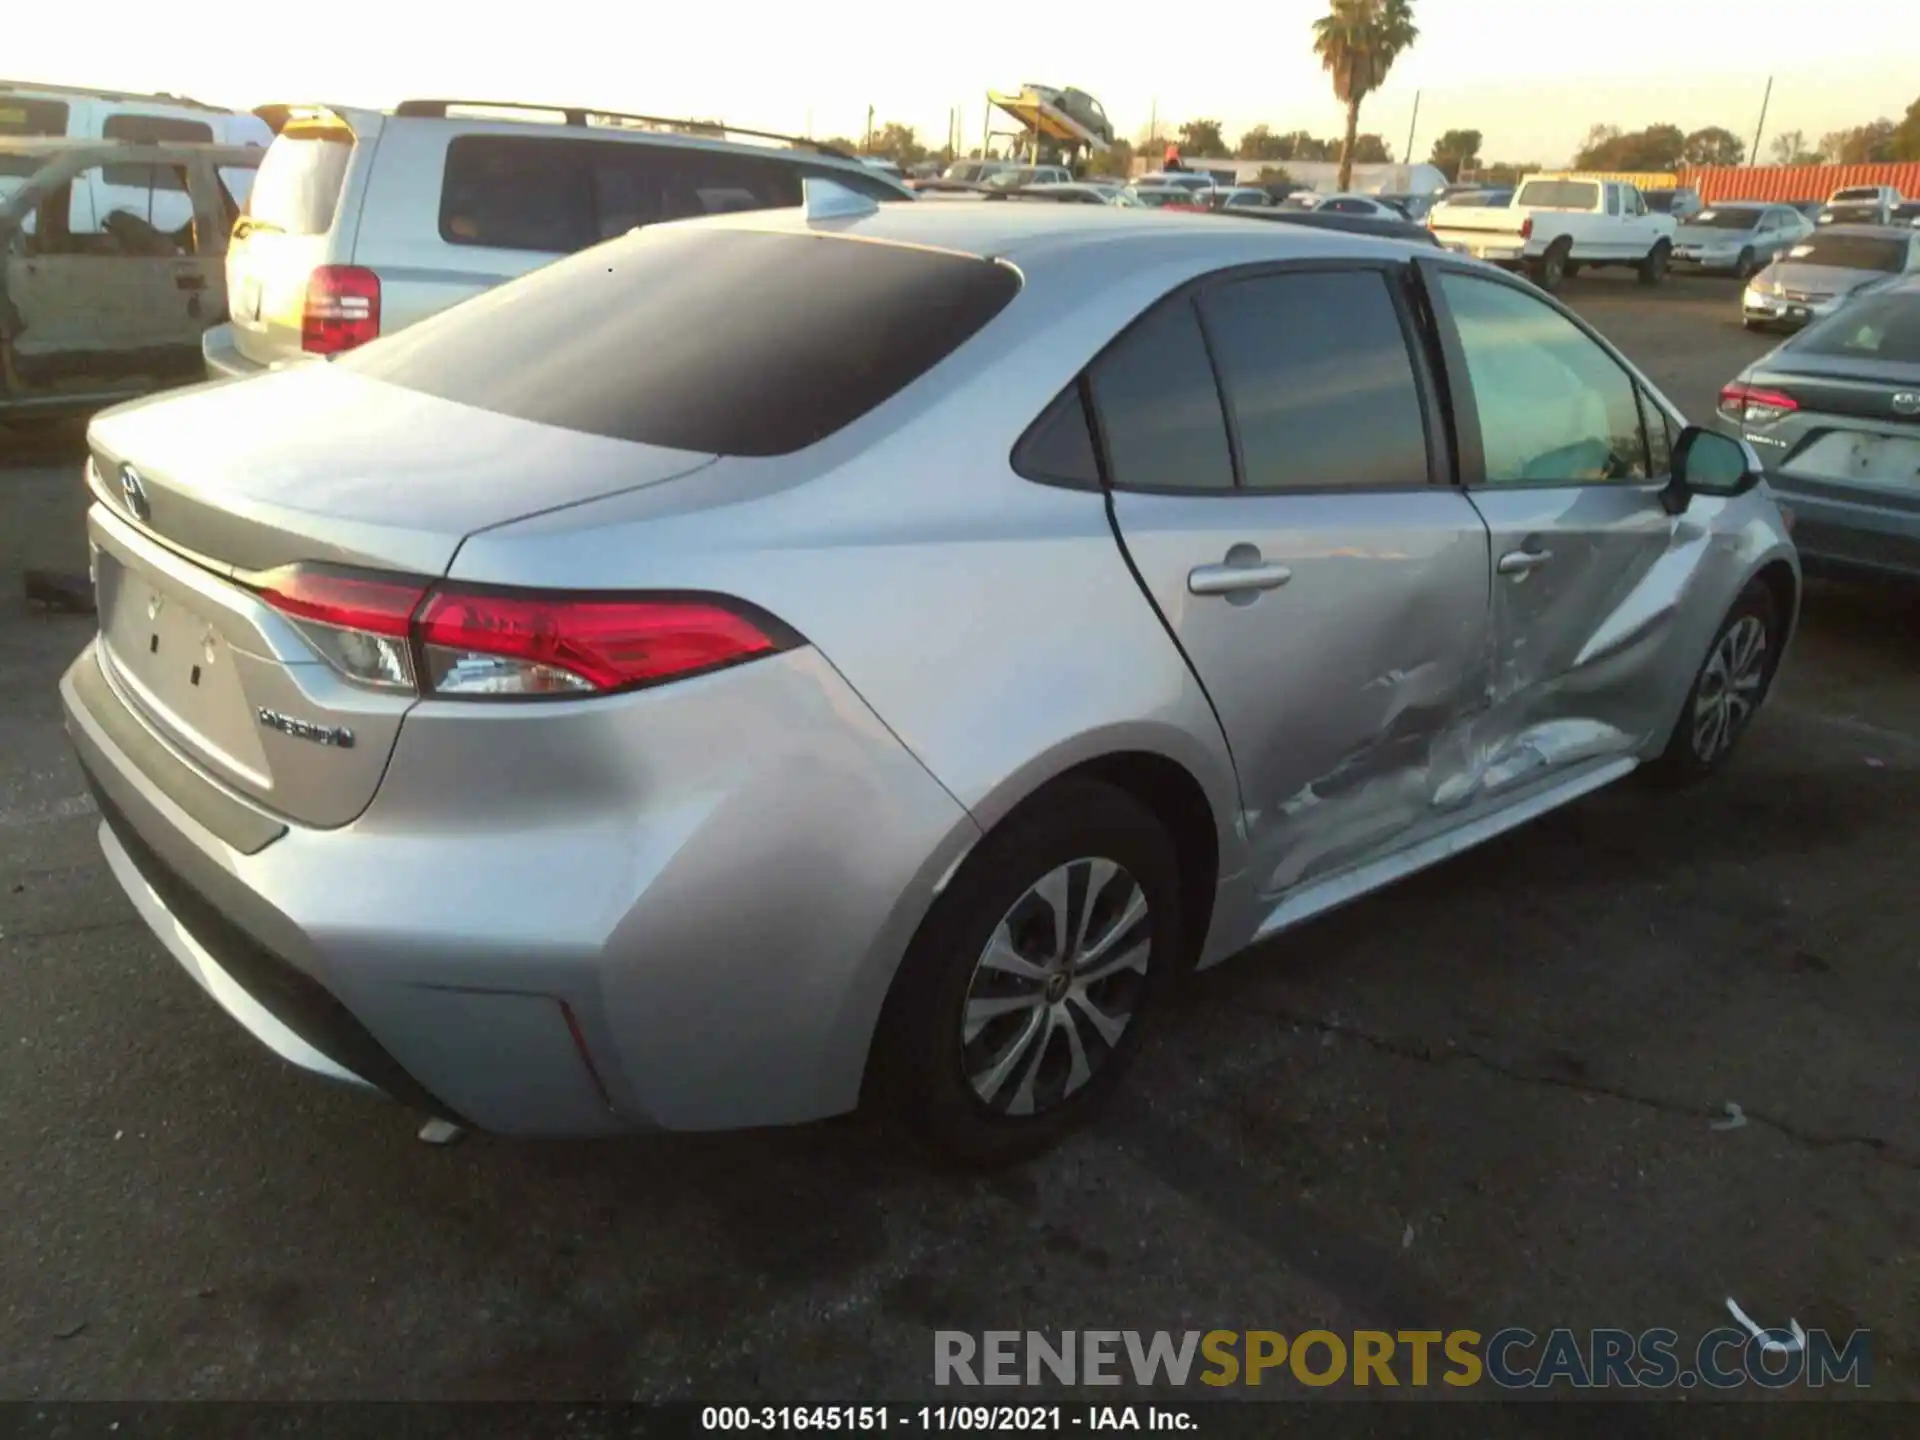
{"x": 1357, "y": 42}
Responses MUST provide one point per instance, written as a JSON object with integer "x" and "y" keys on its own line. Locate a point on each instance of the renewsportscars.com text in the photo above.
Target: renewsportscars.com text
{"x": 1509, "y": 1359}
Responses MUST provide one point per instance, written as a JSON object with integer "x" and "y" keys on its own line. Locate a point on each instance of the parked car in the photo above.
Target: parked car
{"x": 1383, "y": 228}
{"x": 1195, "y": 180}
{"x": 1012, "y": 177}
{"x": 1907, "y": 214}
{"x": 536, "y": 816}
{"x": 1414, "y": 207}
{"x": 1809, "y": 208}
{"x": 98, "y": 304}
{"x": 1682, "y": 202}
{"x": 1378, "y": 208}
{"x": 884, "y": 166}
{"x": 29, "y": 111}
{"x": 1072, "y": 193}
{"x": 1739, "y": 237}
{"x": 967, "y": 172}
{"x": 363, "y": 223}
{"x": 1555, "y": 227}
{"x": 1835, "y": 415}
{"x": 1861, "y": 205}
{"x": 1076, "y": 105}
{"x": 1242, "y": 197}
{"x": 1170, "y": 197}
{"x": 1826, "y": 270}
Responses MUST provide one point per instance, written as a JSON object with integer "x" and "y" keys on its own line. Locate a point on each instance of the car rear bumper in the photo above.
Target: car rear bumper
{"x": 706, "y": 946}
{"x": 222, "y": 356}
{"x": 1851, "y": 536}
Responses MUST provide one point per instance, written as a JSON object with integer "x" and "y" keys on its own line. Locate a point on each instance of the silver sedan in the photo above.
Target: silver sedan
{"x": 1738, "y": 238}
{"x": 772, "y": 662}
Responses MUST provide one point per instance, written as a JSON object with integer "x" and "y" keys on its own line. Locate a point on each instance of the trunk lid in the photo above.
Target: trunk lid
{"x": 310, "y": 464}
{"x": 1479, "y": 220}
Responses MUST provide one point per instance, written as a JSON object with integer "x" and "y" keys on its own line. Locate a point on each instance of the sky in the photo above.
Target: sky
{"x": 1531, "y": 75}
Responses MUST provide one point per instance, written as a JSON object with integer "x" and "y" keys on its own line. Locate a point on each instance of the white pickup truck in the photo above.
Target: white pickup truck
{"x": 1555, "y": 227}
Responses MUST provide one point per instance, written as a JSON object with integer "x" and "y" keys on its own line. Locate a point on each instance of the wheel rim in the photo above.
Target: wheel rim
{"x": 1729, "y": 689}
{"x": 1056, "y": 987}
{"x": 1554, "y": 270}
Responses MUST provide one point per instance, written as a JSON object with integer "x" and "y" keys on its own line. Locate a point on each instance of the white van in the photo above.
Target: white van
{"x": 77, "y": 113}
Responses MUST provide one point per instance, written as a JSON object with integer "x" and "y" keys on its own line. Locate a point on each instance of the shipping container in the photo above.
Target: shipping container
{"x": 1799, "y": 182}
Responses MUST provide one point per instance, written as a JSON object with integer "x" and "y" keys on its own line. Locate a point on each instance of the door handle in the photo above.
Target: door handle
{"x": 1233, "y": 578}
{"x": 1523, "y": 562}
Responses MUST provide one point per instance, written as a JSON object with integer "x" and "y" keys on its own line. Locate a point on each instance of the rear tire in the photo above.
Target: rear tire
{"x": 1653, "y": 269}
{"x": 996, "y": 1040}
{"x": 1728, "y": 689}
{"x": 1551, "y": 268}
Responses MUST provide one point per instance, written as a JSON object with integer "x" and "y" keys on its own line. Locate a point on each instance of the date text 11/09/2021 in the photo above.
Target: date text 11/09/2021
{"x": 935, "y": 1419}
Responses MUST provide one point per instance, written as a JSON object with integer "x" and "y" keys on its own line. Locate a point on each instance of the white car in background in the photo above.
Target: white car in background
{"x": 1556, "y": 226}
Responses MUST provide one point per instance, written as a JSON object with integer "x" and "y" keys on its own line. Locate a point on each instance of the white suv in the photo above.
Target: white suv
{"x": 362, "y": 222}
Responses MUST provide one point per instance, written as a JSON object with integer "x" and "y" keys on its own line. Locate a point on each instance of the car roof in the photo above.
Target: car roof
{"x": 1093, "y": 237}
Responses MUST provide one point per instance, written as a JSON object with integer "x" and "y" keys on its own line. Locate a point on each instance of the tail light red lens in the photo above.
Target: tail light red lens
{"x": 1526, "y": 228}
{"x": 1754, "y": 404}
{"x": 342, "y": 310}
{"x": 398, "y": 633}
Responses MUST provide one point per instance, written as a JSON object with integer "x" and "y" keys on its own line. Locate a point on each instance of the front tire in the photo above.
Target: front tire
{"x": 1024, "y": 996}
{"x": 1728, "y": 690}
{"x": 1747, "y": 265}
{"x": 1653, "y": 269}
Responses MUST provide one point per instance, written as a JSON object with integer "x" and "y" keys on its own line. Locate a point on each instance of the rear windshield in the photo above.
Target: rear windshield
{"x": 29, "y": 117}
{"x": 1858, "y": 193}
{"x": 1560, "y": 195}
{"x": 1879, "y": 327}
{"x": 152, "y": 130}
{"x": 738, "y": 342}
{"x": 297, "y": 188}
{"x": 1724, "y": 219}
{"x": 1852, "y": 252}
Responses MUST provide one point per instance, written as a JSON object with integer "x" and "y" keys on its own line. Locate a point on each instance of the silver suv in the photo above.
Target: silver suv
{"x": 363, "y": 222}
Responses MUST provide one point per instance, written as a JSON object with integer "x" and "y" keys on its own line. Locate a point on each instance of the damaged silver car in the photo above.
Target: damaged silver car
{"x": 112, "y": 264}
{"x": 772, "y": 662}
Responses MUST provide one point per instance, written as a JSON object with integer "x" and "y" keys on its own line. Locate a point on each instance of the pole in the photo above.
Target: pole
{"x": 1153, "y": 126}
{"x": 868, "y": 147}
{"x": 986, "y": 129}
{"x": 1412, "y": 127}
{"x": 1759, "y": 129}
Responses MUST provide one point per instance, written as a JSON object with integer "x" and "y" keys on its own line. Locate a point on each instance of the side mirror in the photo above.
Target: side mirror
{"x": 1705, "y": 462}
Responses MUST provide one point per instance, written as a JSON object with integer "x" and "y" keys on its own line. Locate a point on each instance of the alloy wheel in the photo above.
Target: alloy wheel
{"x": 1729, "y": 688}
{"x": 1056, "y": 987}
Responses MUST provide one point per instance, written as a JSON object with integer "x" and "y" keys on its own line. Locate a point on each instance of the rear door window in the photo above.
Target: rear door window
{"x": 737, "y": 342}
{"x": 152, "y": 130}
{"x": 1159, "y": 406}
{"x": 297, "y": 187}
{"x": 1318, "y": 380}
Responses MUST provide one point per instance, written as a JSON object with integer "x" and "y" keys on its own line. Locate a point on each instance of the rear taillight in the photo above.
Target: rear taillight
{"x": 1526, "y": 228}
{"x": 342, "y": 310}
{"x": 1754, "y": 404}
{"x": 452, "y": 640}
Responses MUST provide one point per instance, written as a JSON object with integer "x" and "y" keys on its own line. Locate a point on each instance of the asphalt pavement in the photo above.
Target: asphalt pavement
{"x": 1486, "y": 1098}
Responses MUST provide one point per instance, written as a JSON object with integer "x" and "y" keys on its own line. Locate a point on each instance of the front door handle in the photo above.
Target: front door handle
{"x": 1522, "y": 562}
{"x": 1233, "y": 577}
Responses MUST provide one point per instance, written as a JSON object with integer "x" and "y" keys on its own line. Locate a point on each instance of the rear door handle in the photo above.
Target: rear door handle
{"x": 1232, "y": 579}
{"x": 1522, "y": 562}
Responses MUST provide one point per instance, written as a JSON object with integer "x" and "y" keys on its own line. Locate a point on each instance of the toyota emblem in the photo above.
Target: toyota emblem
{"x": 134, "y": 491}
{"x": 1907, "y": 402}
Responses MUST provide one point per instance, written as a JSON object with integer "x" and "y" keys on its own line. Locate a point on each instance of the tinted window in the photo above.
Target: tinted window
{"x": 1348, "y": 207}
{"x": 297, "y": 188}
{"x": 1879, "y": 327}
{"x": 1660, "y": 437}
{"x": 1060, "y": 444}
{"x": 1159, "y": 407}
{"x": 1318, "y": 381}
{"x": 1560, "y": 195}
{"x": 1733, "y": 219}
{"x": 734, "y": 341}
{"x": 152, "y": 129}
{"x": 1554, "y": 407}
{"x": 557, "y": 196}
{"x": 1852, "y": 252}
{"x": 29, "y": 117}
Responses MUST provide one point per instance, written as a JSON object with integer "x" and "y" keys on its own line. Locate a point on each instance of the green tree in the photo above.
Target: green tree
{"x": 1906, "y": 135}
{"x": 1455, "y": 151}
{"x": 1357, "y": 42}
{"x": 1202, "y": 138}
{"x": 896, "y": 142}
{"x": 1790, "y": 148}
{"x": 1371, "y": 149}
{"x": 1307, "y": 148}
{"x": 1116, "y": 159}
{"x": 1714, "y": 145}
{"x": 1658, "y": 147}
{"x": 1273, "y": 175}
{"x": 1502, "y": 172}
{"x": 1862, "y": 145}
{"x": 1260, "y": 143}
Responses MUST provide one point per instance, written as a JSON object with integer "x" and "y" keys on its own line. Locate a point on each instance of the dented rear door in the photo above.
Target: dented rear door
{"x": 1293, "y": 526}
